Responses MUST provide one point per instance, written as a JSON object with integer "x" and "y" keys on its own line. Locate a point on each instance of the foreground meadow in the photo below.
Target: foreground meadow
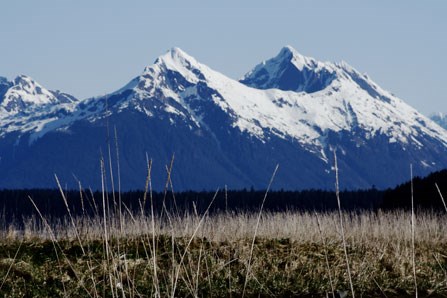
{"x": 225, "y": 254}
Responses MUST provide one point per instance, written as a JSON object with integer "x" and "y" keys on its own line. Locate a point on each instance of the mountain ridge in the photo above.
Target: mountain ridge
{"x": 23, "y": 92}
{"x": 234, "y": 132}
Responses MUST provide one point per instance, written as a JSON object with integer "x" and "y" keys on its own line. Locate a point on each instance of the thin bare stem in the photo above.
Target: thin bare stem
{"x": 148, "y": 188}
{"x": 148, "y": 181}
{"x": 12, "y": 264}
{"x": 118, "y": 169}
{"x": 189, "y": 243}
{"x": 64, "y": 198}
{"x": 328, "y": 268}
{"x": 56, "y": 246}
{"x": 337, "y": 192}
{"x": 109, "y": 151}
{"x": 412, "y": 233}
{"x": 106, "y": 235}
{"x": 442, "y": 197}
{"x": 256, "y": 230}
{"x": 226, "y": 198}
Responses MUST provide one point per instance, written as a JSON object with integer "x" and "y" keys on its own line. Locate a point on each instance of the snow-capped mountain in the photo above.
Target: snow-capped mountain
{"x": 336, "y": 97}
{"x": 23, "y": 92}
{"x": 290, "y": 110}
{"x": 440, "y": 119}
{"x": 27, "y": 106}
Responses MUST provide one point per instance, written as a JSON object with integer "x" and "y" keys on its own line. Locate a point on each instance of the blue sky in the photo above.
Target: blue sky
{"x": 91, "y": 47}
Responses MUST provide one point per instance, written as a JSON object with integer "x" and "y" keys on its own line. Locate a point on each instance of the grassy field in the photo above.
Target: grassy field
{"x": 151, "y": 252}
{"x": 225, "y": 255}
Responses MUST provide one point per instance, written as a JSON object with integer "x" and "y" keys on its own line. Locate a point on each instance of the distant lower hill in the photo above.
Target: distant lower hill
{"x": 425, "y": 193}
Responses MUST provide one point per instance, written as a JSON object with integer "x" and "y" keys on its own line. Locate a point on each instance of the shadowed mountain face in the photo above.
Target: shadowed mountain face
{"x": 290, "y": 110}
{"x": 290, "y": 71}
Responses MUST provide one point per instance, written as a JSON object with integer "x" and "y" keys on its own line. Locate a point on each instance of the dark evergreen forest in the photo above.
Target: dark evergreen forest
{"x": 15, "y": 204}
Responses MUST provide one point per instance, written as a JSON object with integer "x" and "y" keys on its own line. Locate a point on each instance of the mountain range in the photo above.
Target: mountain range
{"x": 289, "y": 110}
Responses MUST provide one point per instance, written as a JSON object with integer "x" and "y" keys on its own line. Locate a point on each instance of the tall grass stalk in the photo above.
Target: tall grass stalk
{"x": 412, "y": 234}
{"x": 11, "y": 265}
{"x": 442, "y": 197}
{"x": 172, "y": 190}
{"x": 256, "y": 230}
{"x": 337, "y": 193}
{"x": 120, "y": 214}
{"x": 78, "y": 237}
{"x": 148, "y": 189}
{"x": 64, "y": 198}
{"x": 109, "y": 152}
{"x": 190, "y": 241}
{"x": 104, "y": 215}
{"x": 53, "y": 239}
{"x": 328, "y": 268}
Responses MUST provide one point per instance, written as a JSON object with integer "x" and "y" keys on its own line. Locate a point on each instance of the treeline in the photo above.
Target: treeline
{"x": 425, "y": 193}
{"x": 15, "y": 204}
{"x": 18, "y": 203}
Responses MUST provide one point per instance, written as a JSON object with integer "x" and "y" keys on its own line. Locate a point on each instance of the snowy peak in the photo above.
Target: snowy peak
{"x": 174, "y": 60}
{"x": 173, "y": 71}
{"x": 290, "y": 71}
{"x": 26, "y": 84}
{"x": 289, "y": 54}
{"x": 167, "y": 79}
{"x": 23, "y": 92}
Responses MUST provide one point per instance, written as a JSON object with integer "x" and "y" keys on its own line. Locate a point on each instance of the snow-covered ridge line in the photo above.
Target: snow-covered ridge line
{"x": 350, "y": 100}
{"x": 291, "y": 109}
{"x": 290, "y": 96}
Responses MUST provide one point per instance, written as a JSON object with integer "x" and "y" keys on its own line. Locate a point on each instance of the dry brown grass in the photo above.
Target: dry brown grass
{"x": 197, "y": 255}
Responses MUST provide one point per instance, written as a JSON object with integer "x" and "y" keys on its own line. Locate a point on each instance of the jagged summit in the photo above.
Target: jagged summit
{"x": 24, "y": 93}
{"x": 290, "y": 71}
{"x": 23, "y": 79}
{"x": 174, "y": 59}
{"x": 289, "y": 54}
{"x": 174, "y": 70}
{"x": 175, "y": 56}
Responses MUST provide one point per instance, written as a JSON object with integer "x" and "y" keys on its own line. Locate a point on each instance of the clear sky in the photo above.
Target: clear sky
{"x": 91, "y": 47}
